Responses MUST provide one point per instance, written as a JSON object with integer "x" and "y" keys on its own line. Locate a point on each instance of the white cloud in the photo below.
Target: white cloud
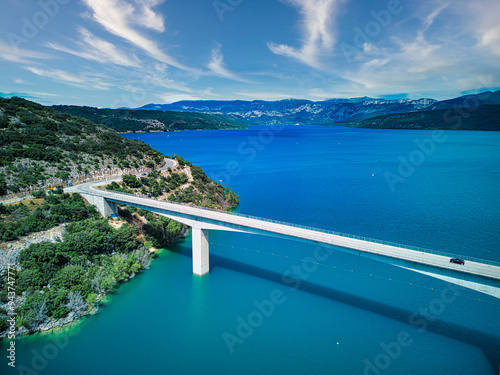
{"x": 263, "y": 95}
{"x": 168, "y": 98}
{"x": 448, "y": 48}
{"x": 420, "y": 56}
{"x": 376, "y": 63}
{"x": 14, "y": 54}
{"x": 487, "y": 26}
{"x": 318, "y": 35}
{"x": 96, "y": 49}
{"x": 491, "y": 40}
{"x": 436, "y": 10}
{"x": 119, "y": 17}
{"x": 217, "y": 66}
{"x": 145, "y": 16}
{"x": 478, "y": 82}
{"x": 209, "y": 93}
{"x": 158, "y": 76}
{"x": 84, "y": 80}
{"x": 403, "y": 67}
{"x": 38, "y": 93}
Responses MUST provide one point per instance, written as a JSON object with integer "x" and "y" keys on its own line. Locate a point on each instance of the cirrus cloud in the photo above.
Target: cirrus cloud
{"x": 89, "y": 81}
{"x": 97, "y": 49}
{"x": 318, "y": 35}
{"x": 120, "y": 17}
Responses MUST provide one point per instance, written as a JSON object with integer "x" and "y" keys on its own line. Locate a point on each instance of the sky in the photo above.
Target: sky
{"x": 127, "y": 53}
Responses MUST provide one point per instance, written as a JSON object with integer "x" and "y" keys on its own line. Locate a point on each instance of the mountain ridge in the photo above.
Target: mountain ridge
{"x": 126, "y": 120}
{"x": 356, "y": 112}
{"x": 471, "y": 100}
{"x": 291, "y": 111}
{"x": 485, "y": 117}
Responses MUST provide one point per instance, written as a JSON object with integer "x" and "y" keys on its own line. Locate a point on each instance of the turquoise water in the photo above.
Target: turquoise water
{"x": 266, "y": 307}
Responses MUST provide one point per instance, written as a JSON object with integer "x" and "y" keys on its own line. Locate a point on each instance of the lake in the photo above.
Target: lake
{"x": 265, "y": 308}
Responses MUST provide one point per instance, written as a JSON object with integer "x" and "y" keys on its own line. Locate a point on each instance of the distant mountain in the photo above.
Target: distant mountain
{"x": 124, "y": 120}
{"x": 293, "y": 111}
{"x": 468, "y": 101}
{"x": 484, "y": 117}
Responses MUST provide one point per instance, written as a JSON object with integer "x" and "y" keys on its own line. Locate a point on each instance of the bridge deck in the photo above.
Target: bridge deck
{"x": 228, "y": 220}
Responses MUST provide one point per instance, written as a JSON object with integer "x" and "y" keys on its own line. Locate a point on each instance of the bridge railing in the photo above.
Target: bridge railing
{"x": 368, "y": 239}
{"x": 362, "y": 238}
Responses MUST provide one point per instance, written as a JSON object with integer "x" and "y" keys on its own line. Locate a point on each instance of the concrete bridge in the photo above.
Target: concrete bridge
{"x": 480, "y": 275}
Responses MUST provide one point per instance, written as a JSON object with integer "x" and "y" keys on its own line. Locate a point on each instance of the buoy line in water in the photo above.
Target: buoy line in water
{"x": 351, "y": 270}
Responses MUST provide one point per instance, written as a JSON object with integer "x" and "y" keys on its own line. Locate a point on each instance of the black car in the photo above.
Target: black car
{"x": 457, "y": 261}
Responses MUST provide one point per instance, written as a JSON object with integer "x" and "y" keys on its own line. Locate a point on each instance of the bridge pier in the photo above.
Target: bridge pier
{"x": 201, "y": 261}
{"x": 476, "y": 274}
{"x": 104, "y": 207}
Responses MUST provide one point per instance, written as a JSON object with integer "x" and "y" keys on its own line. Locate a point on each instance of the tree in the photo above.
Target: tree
{"x": 39, "y": 194}
{"x": 30, "y": 278}
{"x": 74, "y": 278}
{"x": 107, "y": 283}
{"x": 88, "y": 244}
{"x": 4, "y": 122}
{"x": 91, "y": 300}
{"x": 125, "y": 239}
{"x": 143, "y": 257}
{"x": 162, "y": 231}
{"x": 3, "y": 186}
{"x": 96, "y": 282}
{"x": 112, "y": 186}
{"x": 39, "y": 311}
{"x": 124, "y": 267}
{"x": 131, "y": 181}
{"x": 35, "y": 310}
{"x": 37, "y": 254}
{"x": 198, "y": 174}
{"x": 57, "y": 297}
{"x": 63, "y": 175}
{"x": 76, "y": 303}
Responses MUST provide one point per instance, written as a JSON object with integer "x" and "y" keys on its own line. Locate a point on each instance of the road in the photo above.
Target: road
{"x": 260, "y": 225}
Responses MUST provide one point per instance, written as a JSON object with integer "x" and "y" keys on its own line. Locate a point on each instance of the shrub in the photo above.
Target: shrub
{"x": 40, "y": 194}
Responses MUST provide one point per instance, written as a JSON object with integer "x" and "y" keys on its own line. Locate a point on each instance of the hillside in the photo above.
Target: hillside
{"x": 184, "y": 183}
{"x": 467, "y": 101}
{"x": 42, "y": 148}
{"x": 62, "y": 254}
{"x": 125, "y": 120}
{"x": 295, "y": 111}
{"x": 65, "y": 258}
{"x": 484, "y": 117}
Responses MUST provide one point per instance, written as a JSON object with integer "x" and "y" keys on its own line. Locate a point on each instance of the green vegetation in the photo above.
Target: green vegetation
{"x": 160, "y": 231}
{"x": 124, "y": 120}
{"x": 59, "y": 281}
{"x": 176, "y": 186}
{"x": 484, "y": 117}
{"x": 21, "y": 219}
{"x": 38, "y": 145}
{"x": 56, "y": 279}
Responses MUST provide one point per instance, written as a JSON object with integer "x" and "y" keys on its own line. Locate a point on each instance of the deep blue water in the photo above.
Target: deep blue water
{"x": 322, "y": 177}
{"x": 265, "y": 308}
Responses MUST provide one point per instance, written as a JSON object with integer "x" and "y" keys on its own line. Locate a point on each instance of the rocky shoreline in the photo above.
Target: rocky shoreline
{"x": 9, "y": 251}
{"x": 9, "y": 255}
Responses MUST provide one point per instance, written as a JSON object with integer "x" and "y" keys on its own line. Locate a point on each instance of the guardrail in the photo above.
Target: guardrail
{"x": 362, "y": 238}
